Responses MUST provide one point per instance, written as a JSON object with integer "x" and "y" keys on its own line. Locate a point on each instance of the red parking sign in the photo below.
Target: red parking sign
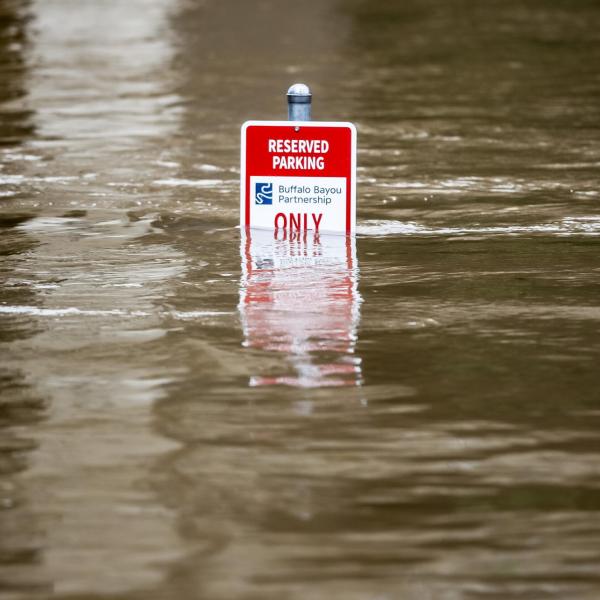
{"x": 298, "y": 176}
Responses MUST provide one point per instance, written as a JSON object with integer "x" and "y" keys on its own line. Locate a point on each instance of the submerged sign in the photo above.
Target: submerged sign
{"x": 298, "y": 176}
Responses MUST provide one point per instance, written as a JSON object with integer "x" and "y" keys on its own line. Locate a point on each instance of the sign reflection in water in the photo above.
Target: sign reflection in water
{"x": 299, "y": 297}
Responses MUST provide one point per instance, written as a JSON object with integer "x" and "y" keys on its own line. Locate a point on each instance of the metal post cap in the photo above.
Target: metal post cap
{"x": 299, "y": 93}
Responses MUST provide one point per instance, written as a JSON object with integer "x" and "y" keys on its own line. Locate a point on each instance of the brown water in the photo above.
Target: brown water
{"x": 189, "y": 415}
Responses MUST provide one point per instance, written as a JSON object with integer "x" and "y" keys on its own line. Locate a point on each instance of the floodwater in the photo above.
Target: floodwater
{"x": 188, "y": 413}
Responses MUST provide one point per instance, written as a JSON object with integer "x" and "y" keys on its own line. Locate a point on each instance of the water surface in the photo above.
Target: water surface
{"x": 187, "y": 411}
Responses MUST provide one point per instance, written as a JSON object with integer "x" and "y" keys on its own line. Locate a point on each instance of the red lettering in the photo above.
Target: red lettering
{"x": 294, "y": 221}
{"x": 284, "y": 220}
{"x": 297, "y": 221}
{"x": 317, "y": 221}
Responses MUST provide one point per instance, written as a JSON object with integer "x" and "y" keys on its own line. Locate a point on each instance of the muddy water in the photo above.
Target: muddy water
{"x": 187, "y": 412}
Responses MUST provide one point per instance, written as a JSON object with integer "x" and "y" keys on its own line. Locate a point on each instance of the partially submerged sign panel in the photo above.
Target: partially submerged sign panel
{"x": 298, "y": 176}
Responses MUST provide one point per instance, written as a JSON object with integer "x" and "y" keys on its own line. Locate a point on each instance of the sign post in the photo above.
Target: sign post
{"x": 298, "y": 175}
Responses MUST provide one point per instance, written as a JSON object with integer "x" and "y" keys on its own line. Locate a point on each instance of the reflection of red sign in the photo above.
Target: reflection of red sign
{"x": 298, "y": 176}
{"x": 299, "y": 297}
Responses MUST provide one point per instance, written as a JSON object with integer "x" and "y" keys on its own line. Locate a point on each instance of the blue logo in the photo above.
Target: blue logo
{"x": 264, "y": 193}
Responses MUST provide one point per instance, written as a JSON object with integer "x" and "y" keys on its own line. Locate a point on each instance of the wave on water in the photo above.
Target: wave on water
{"x": 566, "y": 227}
{"x": 174, "y": 182}
{"x": 483, "y": 185}
{"x": 36, "y": 311}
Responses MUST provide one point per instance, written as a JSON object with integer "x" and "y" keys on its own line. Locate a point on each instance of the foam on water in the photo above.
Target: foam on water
{"x": 569, "y": 226}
